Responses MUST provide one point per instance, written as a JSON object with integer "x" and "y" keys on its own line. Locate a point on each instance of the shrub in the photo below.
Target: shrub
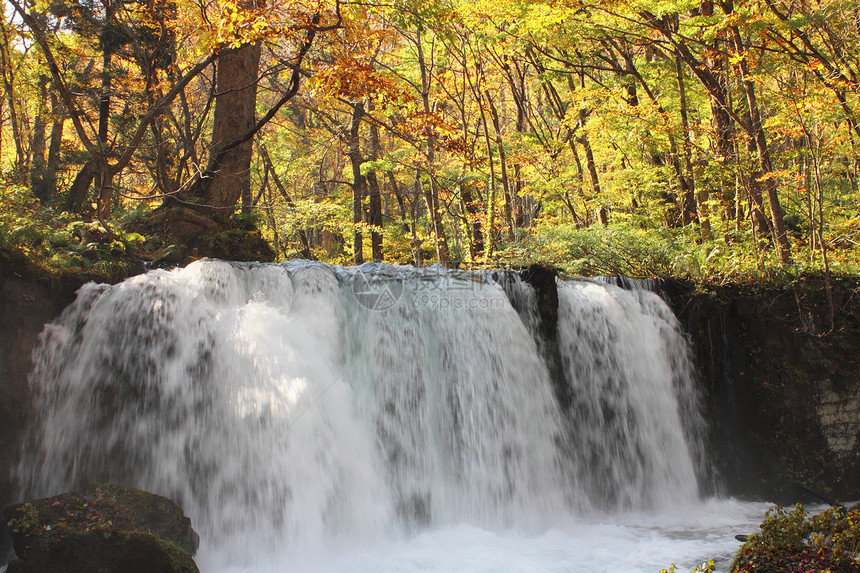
{"x": 60, "y": 241}
{"x": 793, "y": 542}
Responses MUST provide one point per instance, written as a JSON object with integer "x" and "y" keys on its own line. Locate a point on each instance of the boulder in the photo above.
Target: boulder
{"x": 104, "y": 528}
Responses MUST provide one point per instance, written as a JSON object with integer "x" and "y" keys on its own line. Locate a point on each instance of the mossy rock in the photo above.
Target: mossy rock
{"x": 103, "y": 528}
{"x": 237, "y": 244}
{"x": 194, "y": 234}
{"x": 103, "y": 551}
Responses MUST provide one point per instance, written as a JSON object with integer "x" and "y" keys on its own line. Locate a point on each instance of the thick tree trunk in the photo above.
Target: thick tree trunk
{"x": 81, "y": 185}
{"x": 234, "y": 117}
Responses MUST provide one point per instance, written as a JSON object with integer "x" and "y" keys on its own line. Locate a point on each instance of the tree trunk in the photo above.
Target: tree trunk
{"x": 234, "y": 117}
{"x": 701, "y": 193}
{"x": 503, "y": 166}
{"x": 9, "y": 88}
{"x": 49, "y": 181}
{"x": 401, "y": 202}
{"x": 491, "y": 200}
{"x": 431, "y": 193}
{"x": 375, "y": 205}
{"x": 417, "y": 246}
{"x": 80, "y": 187}
{"x": 590, "y": 165}
{"x": 358, "y": 182}
{"x": 756, "y": 132}
{"x": 104, "y": 175}
{"x": 473, "y": 221}
{"x": 38, "y": 142}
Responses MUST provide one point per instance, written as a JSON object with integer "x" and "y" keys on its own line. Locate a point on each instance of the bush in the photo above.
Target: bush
{"x": 622, "y": 249}
{"x": 599, "y": 250}
{"x": 60, "y": 241}
{"x": 793, "y": 542}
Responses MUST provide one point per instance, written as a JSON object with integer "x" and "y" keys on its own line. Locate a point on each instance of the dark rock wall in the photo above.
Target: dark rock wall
{"x": 783, "y": 389}
{"x": 27, "y": 302}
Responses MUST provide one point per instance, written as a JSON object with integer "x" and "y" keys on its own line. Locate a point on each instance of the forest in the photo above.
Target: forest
{"x": 715, "y": 140}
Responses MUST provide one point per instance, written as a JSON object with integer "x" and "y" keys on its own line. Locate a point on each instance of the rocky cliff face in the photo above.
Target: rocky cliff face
{"x": 783, "y": 388}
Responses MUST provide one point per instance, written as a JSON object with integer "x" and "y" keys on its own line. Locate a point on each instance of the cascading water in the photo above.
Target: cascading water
{"x": 301, "y": 413}
{"x": 634, "y": 409}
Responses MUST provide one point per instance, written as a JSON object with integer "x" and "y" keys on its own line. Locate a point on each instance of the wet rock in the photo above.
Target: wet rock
{"x": 781, "y": 386}
{"x": 104, "y": 528}
{"x": 29, "y": 298}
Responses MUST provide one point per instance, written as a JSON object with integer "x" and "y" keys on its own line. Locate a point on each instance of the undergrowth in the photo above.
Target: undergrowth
{"x": 795, "y": 542}
{"x": 59, "y": 242}
{"x": 629, "y": 251}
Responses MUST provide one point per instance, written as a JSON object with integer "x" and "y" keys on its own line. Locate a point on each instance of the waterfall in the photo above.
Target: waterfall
{"x": 306, "y": 405}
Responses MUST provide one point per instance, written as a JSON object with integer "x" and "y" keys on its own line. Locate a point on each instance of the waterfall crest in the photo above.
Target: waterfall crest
{"x": 305, "y": 404}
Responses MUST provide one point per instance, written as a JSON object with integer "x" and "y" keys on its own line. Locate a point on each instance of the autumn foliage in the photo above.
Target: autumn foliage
{"x": 720, "y": 139}
{"x": 794, "y": 542}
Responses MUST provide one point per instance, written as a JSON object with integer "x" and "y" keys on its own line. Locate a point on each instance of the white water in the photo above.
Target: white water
{"x": 312, "y": 418}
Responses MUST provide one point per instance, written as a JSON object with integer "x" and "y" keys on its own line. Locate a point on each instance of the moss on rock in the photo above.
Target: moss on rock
{"x": 104, "y": 527}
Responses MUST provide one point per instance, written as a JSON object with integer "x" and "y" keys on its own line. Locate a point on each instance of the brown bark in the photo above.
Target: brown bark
{"x": 473, "y": 221}
{"x": 701, "y": 193}
{"x": 374, "y": 218}
{"x": 77, "y": 193}
{"x": 431, "y": 192}
{"x": 234, "y": 117}
{"x": 358, "y": 183}
{"x": 503, "y": 166}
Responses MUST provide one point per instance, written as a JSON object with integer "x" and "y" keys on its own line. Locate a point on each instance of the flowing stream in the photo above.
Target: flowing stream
{"x": 378, "y": 418}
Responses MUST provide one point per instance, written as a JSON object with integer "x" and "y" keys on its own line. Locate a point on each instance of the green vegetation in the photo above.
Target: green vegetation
{"x": 795, "y": 542}
{"x": 59, "y": 242}
{"x": 102, "y": 527}
{"x": 713, "y": 141}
